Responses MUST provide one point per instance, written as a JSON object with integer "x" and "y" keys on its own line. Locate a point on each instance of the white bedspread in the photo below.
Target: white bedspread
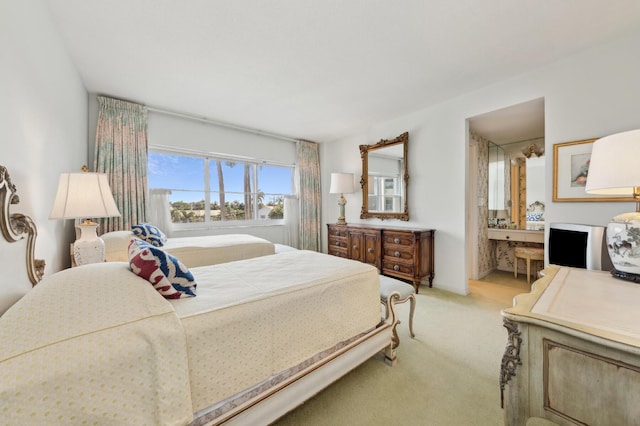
{"x": 87, "y": 346}
{"x": 214, "y": 249}
{"x": 255, "y": 318}
{"x": 195, "y": 251}
{"x": 98, "y": 344}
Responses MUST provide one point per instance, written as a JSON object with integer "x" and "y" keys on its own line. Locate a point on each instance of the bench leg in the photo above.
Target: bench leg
{"x": 412, "y": 304}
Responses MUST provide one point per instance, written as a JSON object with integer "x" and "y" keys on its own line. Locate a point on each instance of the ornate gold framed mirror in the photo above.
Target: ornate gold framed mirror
{"x": 384, "y": 179}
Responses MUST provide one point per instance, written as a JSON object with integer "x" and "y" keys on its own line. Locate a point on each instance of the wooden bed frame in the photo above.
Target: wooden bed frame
{"x": 271, "y": 403}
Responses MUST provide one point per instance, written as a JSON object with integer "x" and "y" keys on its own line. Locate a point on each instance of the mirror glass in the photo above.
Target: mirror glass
{"x": 534, "y": 214}
{"x": 498, "y": 191}
{"x": 384, "y": 179}
{"x": 516, "y": 186}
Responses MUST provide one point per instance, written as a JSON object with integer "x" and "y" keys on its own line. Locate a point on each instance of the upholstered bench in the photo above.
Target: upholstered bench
{"x": 394, "y": 291}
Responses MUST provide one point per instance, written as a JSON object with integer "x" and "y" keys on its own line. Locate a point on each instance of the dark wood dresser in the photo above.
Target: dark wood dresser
{"x": 403, "y": 253}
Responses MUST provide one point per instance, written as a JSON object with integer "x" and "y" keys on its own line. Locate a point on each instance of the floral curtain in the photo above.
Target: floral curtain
{"x": 121, "y": 153}
{"x": 308, "y": 178}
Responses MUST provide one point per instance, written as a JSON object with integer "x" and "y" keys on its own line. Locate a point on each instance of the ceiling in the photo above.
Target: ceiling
{"x": 321, "y": 69}
{"x": 517, "y": 123}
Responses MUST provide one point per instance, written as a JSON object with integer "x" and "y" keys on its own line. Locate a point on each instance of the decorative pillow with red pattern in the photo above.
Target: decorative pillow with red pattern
{"x": 168, "y": 275}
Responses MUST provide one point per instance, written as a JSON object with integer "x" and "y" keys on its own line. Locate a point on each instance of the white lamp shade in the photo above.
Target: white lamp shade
{"x": 613, "y": 168}
{"x": 341, "y": 183}
{"x": 83, "y": 195}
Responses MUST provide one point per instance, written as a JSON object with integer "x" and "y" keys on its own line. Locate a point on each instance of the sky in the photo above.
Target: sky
{"x": 186, "y": 173}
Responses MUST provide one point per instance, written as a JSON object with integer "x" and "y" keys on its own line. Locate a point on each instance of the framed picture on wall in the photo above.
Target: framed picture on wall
{"x": 571, "y": 171}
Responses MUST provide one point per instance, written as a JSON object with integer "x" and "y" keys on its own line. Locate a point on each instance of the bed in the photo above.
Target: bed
{"x": 194, "y": 251}
{"x": 98, "y": 344}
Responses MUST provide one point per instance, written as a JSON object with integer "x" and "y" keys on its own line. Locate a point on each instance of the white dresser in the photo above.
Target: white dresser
{"x": 573, "y": 351}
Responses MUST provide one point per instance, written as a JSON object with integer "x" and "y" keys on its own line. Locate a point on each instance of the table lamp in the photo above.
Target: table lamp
{"x": 614, "y": 170}
{"x": 84, "y": 196}
{"x": 341, "y": 183}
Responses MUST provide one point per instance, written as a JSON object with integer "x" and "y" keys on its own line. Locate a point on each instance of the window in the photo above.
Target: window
{"x": 208, "y": 189}
{"x": 384, "y": 193}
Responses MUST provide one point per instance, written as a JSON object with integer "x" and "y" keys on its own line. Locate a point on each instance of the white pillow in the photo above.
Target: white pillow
{"x": 116, "y": 245}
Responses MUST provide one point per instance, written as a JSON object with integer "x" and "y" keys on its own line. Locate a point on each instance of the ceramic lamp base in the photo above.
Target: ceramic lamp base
{"x": 89, "y": 248}
{"x": 342, "y": 202}
{"x": 623, "y": 242}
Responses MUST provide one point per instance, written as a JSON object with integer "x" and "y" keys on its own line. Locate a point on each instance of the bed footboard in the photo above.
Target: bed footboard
{"x": 268, "y": 406}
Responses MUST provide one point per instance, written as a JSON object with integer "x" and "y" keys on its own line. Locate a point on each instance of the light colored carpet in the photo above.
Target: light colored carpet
{"x": 447, "y": 375}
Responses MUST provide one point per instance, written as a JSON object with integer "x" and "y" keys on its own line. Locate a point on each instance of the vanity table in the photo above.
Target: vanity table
{"x": 573, "y": 351}
{"x": 516, "y": 235}
{"x": 504, "y": 241}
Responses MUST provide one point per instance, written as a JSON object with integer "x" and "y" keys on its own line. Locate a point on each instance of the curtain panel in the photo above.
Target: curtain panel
{"x": 308, "y": 178}
{"x": 121, "y": 153}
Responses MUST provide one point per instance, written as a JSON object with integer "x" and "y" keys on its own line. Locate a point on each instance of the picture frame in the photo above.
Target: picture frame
{"x": 570, "y": 173}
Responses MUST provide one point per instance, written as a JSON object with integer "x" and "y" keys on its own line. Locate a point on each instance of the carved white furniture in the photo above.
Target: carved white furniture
{"x": 573, "y": 351}
{"x": 392, "y": 292}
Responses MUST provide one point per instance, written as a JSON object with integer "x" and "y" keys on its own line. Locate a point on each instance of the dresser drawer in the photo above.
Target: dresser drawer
{"x": 396, "y": 268}
{"x": 338, "y": 251}
{"x": 397, "y": 238}
{"x": 338, "y": 231}
{"x": 338, "y": 242}
{"x": 398, "y": 253}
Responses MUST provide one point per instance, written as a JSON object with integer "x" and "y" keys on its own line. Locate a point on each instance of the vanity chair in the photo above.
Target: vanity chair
{"x": 535, "y": 222}
{"x": 528, "y": 254}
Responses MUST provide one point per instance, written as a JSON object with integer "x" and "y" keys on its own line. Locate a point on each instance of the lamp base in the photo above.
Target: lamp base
{"x": 342, "y": 202}
{"x": 623, "y": 243}
{"x": 89, "y": 248}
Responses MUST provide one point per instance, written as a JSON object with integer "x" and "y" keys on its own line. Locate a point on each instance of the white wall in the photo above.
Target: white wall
{"x": 588, "y": 95}
{"x": 43, "y": 123}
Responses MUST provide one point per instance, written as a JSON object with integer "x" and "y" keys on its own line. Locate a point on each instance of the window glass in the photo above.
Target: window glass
{"x": 207, "y": 189}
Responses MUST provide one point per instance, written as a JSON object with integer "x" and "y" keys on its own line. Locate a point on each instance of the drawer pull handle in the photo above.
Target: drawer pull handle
{"x": 396, "y": 253}
{"x": 396, "y": 268}
{"x": 396, "y": 240}
{"x": 507, "y": 237}
{"x": 370, "y": 250}
{"x": 337, "y": 243}
{"x": 355, "y": 247}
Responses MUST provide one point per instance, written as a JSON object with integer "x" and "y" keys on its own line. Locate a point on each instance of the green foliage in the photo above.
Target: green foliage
{"x": 277, "y": 212}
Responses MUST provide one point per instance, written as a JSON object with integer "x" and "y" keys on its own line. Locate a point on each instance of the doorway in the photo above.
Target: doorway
{"x": 518, "y": 131}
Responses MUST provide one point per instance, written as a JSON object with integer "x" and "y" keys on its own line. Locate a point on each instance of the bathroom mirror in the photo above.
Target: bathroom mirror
{"x": 516, "y": 185}
{"x": 498, "y": 192}
{"x": 384, "y": 179}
